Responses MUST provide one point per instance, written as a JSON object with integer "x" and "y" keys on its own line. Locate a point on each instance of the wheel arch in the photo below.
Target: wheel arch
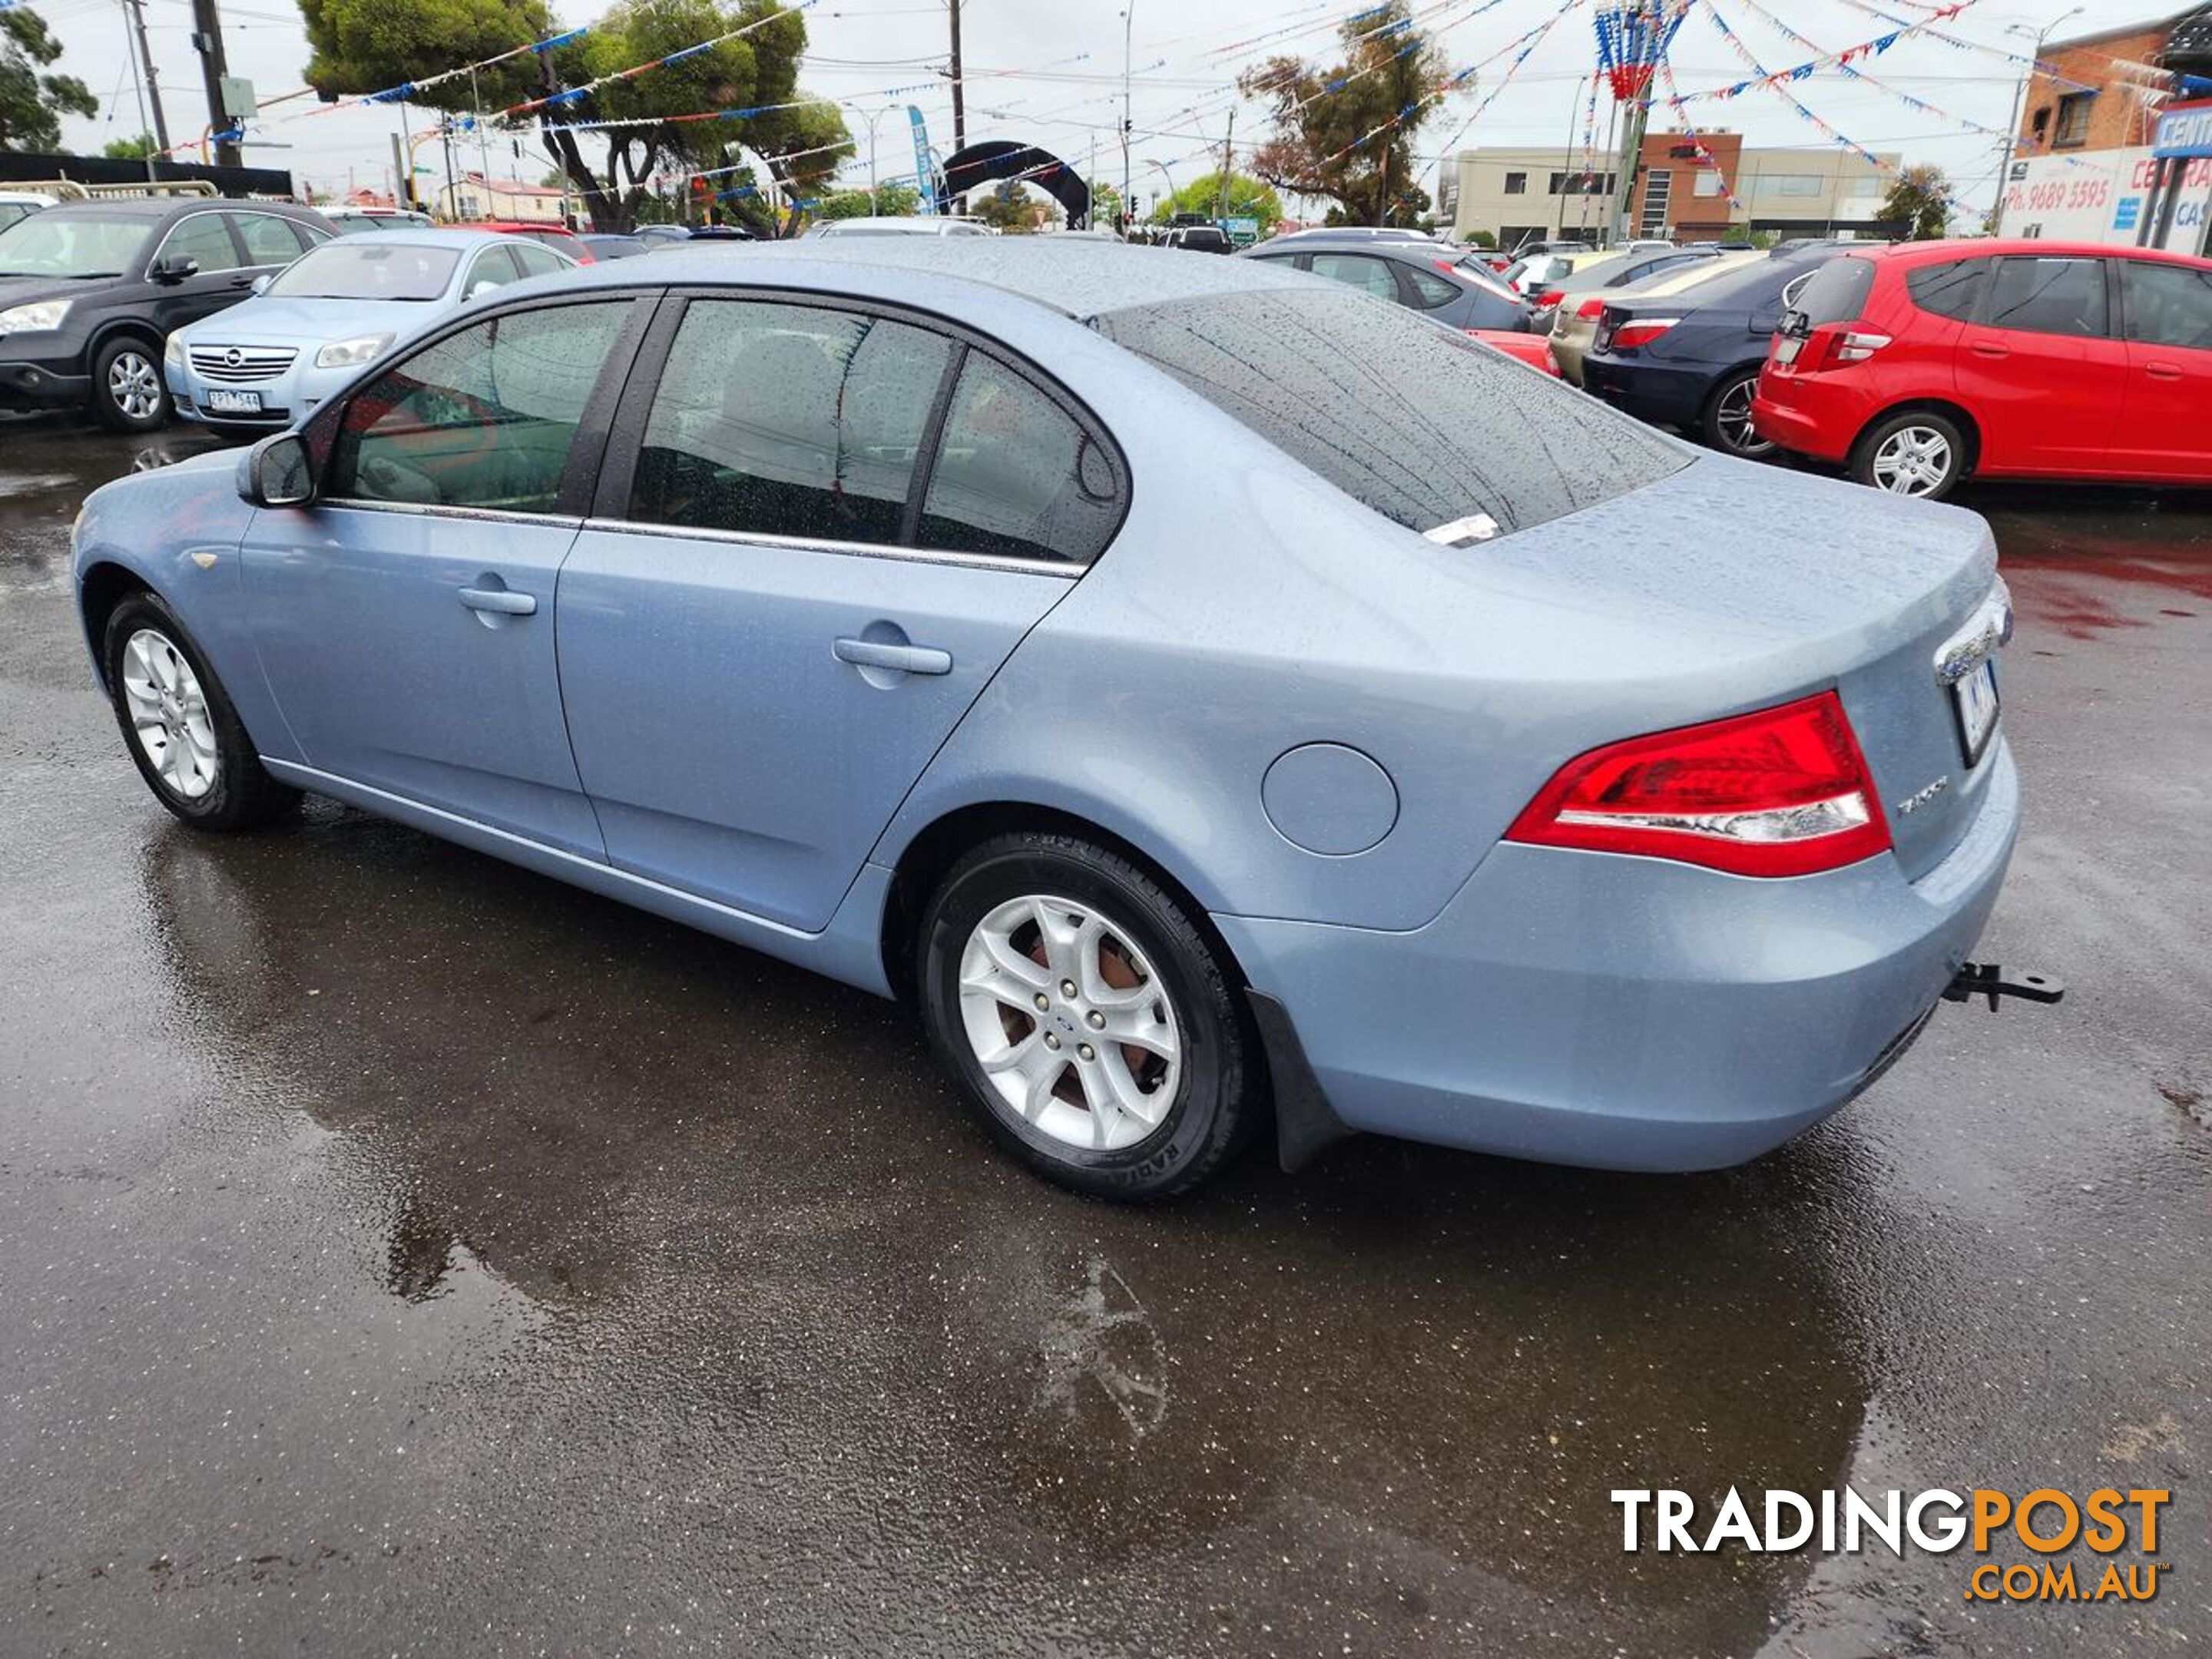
{"x": 138, "y": 328}
{"x": 105, "y": 584}
{"x": 1969, "y": 428}
{"x": 933, "y": 850}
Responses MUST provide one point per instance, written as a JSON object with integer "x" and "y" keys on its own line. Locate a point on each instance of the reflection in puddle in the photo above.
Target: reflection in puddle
{"x": 2088, "y": 563}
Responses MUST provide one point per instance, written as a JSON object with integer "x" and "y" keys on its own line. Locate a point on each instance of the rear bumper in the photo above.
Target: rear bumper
{"x": 1810, "y": 415}
{"x": 1647, "y": 389}
{"x": 1568, "y": 348}
{"x": 1630, "y": 1013}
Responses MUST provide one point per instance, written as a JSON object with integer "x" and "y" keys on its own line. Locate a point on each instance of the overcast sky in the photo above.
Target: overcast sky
{"x": 1049, "y": 71}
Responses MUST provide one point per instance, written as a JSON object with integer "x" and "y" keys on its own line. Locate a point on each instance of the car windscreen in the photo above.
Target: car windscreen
{"x": 1417, "y": 421}
{"x": 357, "y": 268}
{"x": 73, "y": 243}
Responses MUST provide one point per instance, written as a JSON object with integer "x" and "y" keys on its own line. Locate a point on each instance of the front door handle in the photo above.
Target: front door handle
{"x": 902, "y": 658}
{"x": 500, "y": 601}
{"x": 1987, "y": 350}
{"x": 2163, "y": 372}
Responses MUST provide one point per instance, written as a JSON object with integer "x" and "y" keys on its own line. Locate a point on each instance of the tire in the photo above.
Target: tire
{"x": 128, "y": 391}
{"x": 1918, "y": 454}
{"x": 1139, "y": 964}
{"x": 178, "y": 724}
{"x": 1725, "y": 422}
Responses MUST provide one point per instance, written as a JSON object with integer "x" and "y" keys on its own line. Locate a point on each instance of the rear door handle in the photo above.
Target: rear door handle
{"x": 500, "y": 601}
{"x": 2163, "y": 372}
{"x": 904, "y": 659}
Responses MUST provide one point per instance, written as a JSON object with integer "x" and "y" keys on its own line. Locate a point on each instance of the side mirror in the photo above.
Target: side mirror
{"x": 174, "y": 268}
{"x": 261, "y": 282}
{"x": 276, "y": 472}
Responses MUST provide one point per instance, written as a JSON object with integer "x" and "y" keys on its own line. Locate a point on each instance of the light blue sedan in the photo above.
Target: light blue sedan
{"x": 272, "y": 360}
{"x": 1216, "y": 697}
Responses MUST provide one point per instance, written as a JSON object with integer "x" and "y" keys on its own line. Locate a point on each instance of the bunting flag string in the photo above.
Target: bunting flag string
{"x": 571, "y": 95}
{"x": 1527, "y": 43}
{"x": 1697, "y": 139}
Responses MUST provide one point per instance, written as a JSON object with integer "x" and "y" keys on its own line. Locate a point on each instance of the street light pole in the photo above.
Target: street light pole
{"x": 1128, "y": 206}
{"x": 2020, "y": 95}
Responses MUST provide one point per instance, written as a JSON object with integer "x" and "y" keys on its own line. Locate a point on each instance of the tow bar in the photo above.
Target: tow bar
{"x": 1976, "y": 979}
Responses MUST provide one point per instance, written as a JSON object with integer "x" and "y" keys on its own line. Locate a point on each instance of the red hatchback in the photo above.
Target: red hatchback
{"x": 1915, "y": 365}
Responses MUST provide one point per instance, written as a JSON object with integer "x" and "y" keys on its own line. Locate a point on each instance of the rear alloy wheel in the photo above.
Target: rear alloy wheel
{"x": 1727, "y": 421}
{"x": 1087, "y": 1018}
{"x": 128, "y": 392}
{"x": 1919, "y": 454}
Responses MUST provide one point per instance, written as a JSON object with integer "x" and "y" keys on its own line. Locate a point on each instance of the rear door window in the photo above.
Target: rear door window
{"x": 2049, "y": 295}
{"x": 269, "y": 240}
{"x": 789, "y": 420}
{"x": 1432, "y": 289}
{"x": 1417, "y": 421}
{"x": 2167, "y": 304}
{"x": 1361, "y": 270}
{"x": 1016, "y": 475}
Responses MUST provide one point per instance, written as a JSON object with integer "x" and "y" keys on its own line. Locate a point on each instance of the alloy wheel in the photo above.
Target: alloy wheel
{"x": 169, "y": 714}
{"x": 1072, "y": 1028}
{"x": 1732, "y": 418}
{"x": 134, "y": 385}
{"x": 1913, "y": 460}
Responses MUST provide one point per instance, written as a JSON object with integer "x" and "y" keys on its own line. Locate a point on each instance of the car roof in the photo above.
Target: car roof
{"x": 1975, "y": 248}
{"x": 403, "y": 234}
{"x": 1077, "y": 277}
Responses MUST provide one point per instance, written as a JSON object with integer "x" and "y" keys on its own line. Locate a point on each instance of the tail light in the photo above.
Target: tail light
{"x": 1641, "y": 330}
{"x": 1783, "y": 791}
{"x": 1550, "y": 297}
{"x": 1827, "y": 348}
{"x": 1591, "y": 306}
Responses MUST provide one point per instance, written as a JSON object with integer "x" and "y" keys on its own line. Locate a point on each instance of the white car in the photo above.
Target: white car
{"x": 265, "y": 362}
{"x": 916, "y": 224}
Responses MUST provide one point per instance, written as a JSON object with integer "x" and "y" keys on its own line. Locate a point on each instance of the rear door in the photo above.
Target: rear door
{"x": 2165, "y": 419}
{"x": 821, "y": 529}
{"x": 2041, "y": 370}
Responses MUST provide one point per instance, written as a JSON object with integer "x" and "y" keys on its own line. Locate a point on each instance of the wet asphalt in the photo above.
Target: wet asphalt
{"x": 401, "y": 1254}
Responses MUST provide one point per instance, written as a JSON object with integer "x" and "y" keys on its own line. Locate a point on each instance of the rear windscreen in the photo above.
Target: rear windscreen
{"x": 1837, "y": 294}
{"x": 1416, "y": 421}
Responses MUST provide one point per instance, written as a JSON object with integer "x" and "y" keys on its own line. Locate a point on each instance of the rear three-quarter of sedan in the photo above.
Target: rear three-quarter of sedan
{"x": 1213, "y": 696}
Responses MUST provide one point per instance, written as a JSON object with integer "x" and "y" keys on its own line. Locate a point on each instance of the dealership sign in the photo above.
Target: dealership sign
{"x": 2185, "y": 129}
{"x": 2099, "y": 197}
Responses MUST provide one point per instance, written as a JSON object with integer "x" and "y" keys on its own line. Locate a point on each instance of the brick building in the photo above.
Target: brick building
{"x": 2099, "y": 91}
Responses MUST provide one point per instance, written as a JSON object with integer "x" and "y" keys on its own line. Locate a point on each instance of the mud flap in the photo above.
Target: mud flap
{"x": 1305, "y": 1123}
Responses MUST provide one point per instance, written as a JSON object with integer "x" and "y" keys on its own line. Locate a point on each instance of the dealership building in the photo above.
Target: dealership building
{"x": 2115, "y": 138}
{"x": 1682, "y": 190}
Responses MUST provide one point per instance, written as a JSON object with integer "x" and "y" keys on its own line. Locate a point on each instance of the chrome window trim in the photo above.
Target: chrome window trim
{"x": 1059, "y": 567}
{"x": 439, "y": 509}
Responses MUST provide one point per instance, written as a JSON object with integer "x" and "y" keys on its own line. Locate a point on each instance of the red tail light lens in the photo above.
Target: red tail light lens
{"x": 1550, "y": 297}
{"x": 1784, "y": 792}
{"x": 1641, "y": 330}
{"x": 1591, "y": 306}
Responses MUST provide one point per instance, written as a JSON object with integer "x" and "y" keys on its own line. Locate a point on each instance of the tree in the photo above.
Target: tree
{"x": 888, "y": 202}
{"x": 1920, "y": 198}
{"x": 1247, "y": 197}
{"x": 1005, "y": 207}
{"x": 1105, "y": 203}
{"x": 129, "y": 149}
{"x": 760, "y": 167}
{"x": 1346, "y": 132}
{"x": 32, "y": 104}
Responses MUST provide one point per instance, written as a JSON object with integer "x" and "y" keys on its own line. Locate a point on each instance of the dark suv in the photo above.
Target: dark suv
{"x": 89, "y": 291}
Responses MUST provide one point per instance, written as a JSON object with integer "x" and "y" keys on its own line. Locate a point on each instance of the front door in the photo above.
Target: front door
{"x": 2165, "y": 420}
{"x": 221, "y": 278}
{"x": 836, "y": 525}
{"x": 2041, "y": 369}
{"x": 406, "y": 620}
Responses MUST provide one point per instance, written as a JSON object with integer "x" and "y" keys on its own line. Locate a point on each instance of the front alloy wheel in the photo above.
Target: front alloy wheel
{"x": 169, "y": 712}
{"x": 128, "y": 392}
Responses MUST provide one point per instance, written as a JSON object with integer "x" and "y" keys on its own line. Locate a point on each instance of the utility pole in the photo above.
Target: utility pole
{"x": 137, "y": 10}
{"x": 1128, "y": 202}
{"x": 2033, "y": 67}
{"x": 1382, "y": 195}
{"x": 1228, "y": 139}
{"x": 207, "y": 40}
{"x": 402, "y": 173}
{"x": 959, "y": 93}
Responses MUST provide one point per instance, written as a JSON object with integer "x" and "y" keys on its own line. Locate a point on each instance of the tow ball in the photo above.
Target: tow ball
{"x": 1980, "y": 979}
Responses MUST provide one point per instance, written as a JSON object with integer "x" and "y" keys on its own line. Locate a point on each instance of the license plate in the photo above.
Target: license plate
{"x": 1785, "y": 350}
{"x": 234, "y": 402}
{"x": 1976, "y": 698}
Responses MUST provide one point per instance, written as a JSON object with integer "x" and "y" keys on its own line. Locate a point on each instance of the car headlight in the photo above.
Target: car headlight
{"x": 351, "y": 354}
{"x": 173, "y": 351}
{"x": 39, "y": 314}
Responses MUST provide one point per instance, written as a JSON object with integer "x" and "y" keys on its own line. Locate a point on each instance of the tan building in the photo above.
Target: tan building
{"x": 472, "y": 196}
{"x": 1519, "y": 194}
